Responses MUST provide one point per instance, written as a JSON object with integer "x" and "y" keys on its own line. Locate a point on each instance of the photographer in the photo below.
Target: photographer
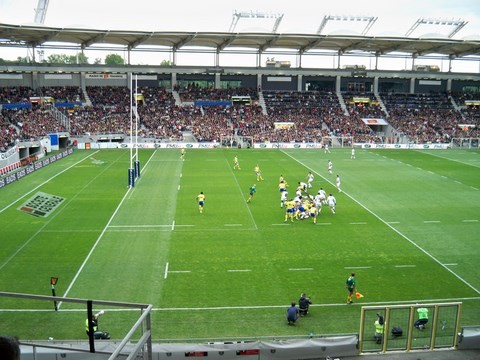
{"x": 303, "y": 304}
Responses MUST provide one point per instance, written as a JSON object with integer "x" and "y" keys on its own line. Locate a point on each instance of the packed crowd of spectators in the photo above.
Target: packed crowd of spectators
{"x": 288, "y": 116}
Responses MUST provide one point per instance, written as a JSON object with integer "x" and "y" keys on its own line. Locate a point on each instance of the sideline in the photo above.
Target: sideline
{"x": 284, "y": 306}
{"x": 391, "y": 227}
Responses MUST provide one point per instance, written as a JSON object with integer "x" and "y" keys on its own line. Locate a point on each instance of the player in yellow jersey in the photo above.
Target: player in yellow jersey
{"x": 236, "y": 165}
{"x": 313, "y": 212}
{"x": 289, "y": 210}
{"x": 182, "y": 154}
{"x": 258, "y": 173}
{"x": 201, "y": 201}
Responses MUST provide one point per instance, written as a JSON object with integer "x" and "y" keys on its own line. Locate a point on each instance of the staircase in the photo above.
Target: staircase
{"x": 342, "y": 103}
{"x": 176, "y": 96}
{"x": 88, "y": 102}
{"x": 261, "y": 102}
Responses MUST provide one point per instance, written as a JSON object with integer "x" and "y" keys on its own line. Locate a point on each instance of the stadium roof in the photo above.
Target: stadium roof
{"x": 35, "y": 35}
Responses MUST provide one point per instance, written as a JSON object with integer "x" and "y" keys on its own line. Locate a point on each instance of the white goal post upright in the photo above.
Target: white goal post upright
{"x": 137, "y": 161}
{"x": 134, "y": 169}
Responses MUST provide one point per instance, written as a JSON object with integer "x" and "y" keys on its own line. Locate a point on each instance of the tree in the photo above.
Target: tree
{"x": 79, "y": 58}
{"x": 166, "y": 63}
{"x": 113, "y": 59}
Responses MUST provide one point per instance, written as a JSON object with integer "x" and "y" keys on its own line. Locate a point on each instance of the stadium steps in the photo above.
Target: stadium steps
{"x": 88, "y": 102}
{"x": 176, "y": 96}
{"x": 380, "y": 101}
{"x": 261, "y": 102}
{"x": 342, "y": 103}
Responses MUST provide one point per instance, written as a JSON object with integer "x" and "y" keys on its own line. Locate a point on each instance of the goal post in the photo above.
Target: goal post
{"x": 403, "y": 328}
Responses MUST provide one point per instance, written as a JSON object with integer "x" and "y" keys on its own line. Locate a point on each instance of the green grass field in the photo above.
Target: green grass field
{"x": 407, "y": 223}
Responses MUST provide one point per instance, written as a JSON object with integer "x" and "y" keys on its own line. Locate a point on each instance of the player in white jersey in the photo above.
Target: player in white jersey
{"x": 337, "y": 183}
{"x": 327, "y": 150}
{"x": 318, "y": 201}
{"x": 283, "y": 198}
{"x": 332, "y": 203}
{"x": 353, "y": 154}
{"x": 322, "y": 196}
{"x": 330, "y": 166}
{"x": 310, "y": 178}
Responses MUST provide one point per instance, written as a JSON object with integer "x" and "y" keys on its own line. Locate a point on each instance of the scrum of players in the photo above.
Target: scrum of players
{"x": 304, "y": 205}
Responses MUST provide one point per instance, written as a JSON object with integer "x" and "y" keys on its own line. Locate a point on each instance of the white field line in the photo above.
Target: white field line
{"x": 55, "y": 214}
{"x": 165, "y": 275}
{"x": 47, "y": 181}
{"x": 405, "y": 266}
{"x": 443, "y": 157}
{"x": 240, "y": 190}
{"x": 100, "y": 237}
{"x": 395, "y": 230}
{"x": 229, "y": 308}
{"x": 95, "y": 245}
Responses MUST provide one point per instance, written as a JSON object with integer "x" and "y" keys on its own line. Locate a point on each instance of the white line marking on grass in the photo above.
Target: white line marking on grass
{"x": 240, "y": 190}
{"x": 468, "y": 221}
{"x": 47, "y": 181}
{"x": 431, "y": 222}
{"x": 100, "y": 236}
{"x": 180, "y": 271}
{"x": 173, "y": 225}
{"x": 229, "y": 308}
{"x": 474, "y": 188}
{"x": 391, "y": 227}
{"x": 454, "y": 264}
{"x": 300, "y": 269}
{"x": 95, "y": 245}
{"x": 239, "y": 270}
{"x": 358, "y": 223}
{"x": 446, "y": 158}
{"x": 405, "y": 266}
{"x": 431, "y": 172}
{"x": 178, "y": 188}
{"x": 458, "y": 182}
{"x": 166, "y": 271}
{"x": 356, "y": 267}
{"x": 138, "y": 226}
{"x": 393, "y": 222}
{"x": 232, "y": 224}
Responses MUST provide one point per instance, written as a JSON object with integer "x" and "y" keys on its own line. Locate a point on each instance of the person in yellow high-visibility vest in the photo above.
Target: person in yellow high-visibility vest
{"x": 96, "y": 333}
{"x": 379, "y": 329}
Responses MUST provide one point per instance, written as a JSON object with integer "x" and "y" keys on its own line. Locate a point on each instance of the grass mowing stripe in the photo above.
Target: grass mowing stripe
{"x": 395, "y": 230}
{"x": 56, "y": 213}
{"x": 46, "y": 181}
{"x": 240, "y": 190}
{"x": 100, "y": 236}
{"x": 446, "y": 158}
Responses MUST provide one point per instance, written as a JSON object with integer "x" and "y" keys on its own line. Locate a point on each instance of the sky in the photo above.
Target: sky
{"x": 395, "y": 18}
